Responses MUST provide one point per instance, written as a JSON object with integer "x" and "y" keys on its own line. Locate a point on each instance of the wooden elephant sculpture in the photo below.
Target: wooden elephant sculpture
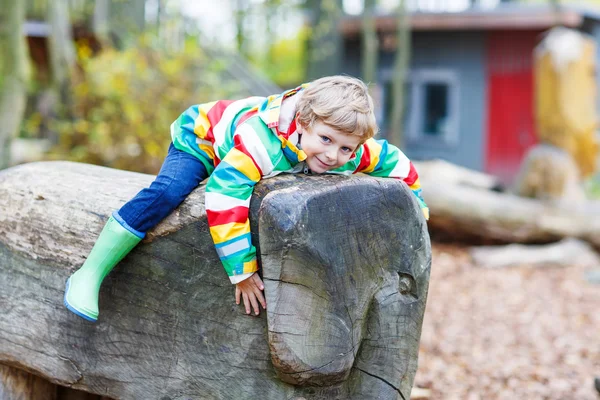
{"x": 345, "y": 261}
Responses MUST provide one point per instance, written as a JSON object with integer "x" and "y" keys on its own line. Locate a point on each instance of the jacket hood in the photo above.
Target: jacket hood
{"x": 270, "y": 112}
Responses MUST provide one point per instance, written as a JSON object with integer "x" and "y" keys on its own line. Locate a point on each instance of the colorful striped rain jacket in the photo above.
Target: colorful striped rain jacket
{"x": 239, "y": 143}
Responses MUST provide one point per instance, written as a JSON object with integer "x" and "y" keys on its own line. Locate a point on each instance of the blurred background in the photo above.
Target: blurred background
{"x": 100, "y": 81}
{"x": 480, "y": 84}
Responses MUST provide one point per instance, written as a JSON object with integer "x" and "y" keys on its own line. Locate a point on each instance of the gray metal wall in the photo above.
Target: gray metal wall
{"x": 463, "y": 53}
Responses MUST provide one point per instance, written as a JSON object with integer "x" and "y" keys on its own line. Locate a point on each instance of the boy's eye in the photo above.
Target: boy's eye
{"x": 346, "y": 149}
{"x": 325, "y": 139}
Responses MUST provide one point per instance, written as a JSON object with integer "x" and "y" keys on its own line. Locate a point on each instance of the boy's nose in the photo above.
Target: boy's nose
{"x": 331, "y": 155}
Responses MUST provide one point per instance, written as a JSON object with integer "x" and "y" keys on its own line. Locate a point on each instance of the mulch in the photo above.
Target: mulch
{"x": 512, "y": 333}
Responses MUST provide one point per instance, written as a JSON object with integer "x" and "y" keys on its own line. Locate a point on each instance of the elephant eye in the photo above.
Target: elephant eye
{"x": 406, "y": 284}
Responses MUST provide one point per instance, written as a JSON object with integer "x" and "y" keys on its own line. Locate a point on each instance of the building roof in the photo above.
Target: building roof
{"x": 504, "y": 17}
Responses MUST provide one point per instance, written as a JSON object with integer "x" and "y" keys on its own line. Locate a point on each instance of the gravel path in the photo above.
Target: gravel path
{"x": 513, "y": 333}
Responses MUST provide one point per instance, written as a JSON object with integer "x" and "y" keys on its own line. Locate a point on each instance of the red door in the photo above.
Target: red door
{"x": 511, "y": 129}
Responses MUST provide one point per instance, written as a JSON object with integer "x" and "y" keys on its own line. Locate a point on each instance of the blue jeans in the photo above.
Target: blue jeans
{"x": 179, "y": 175}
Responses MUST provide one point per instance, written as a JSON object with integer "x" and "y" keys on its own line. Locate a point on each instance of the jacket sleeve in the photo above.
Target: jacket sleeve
{"x": 382, "y": 159}
{"x": 192, "y": 132}
{"x": 228, "y": 193}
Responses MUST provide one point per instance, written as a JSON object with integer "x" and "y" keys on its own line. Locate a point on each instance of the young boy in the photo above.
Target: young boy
{"x": 326, "y": 126}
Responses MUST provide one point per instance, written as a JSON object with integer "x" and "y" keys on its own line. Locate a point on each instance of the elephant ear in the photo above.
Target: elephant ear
{"x": 386, "y": 364}
{"x": 330, "y": 254}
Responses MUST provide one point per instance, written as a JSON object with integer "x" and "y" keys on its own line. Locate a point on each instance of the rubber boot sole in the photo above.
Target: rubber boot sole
{"x": 73, "y": 309}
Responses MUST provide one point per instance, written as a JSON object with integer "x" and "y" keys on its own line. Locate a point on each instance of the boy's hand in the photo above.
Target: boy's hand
{"x": 250, "y": 290}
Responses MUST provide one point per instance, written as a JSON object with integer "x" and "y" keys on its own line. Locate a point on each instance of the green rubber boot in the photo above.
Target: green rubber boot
{"x": 81, "y": 292}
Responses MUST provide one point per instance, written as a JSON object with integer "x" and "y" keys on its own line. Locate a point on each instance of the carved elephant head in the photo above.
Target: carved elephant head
{"x": 346, "y": 276}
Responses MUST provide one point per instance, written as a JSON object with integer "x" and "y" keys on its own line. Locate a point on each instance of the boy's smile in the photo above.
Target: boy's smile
{"x": 326, "y": 148}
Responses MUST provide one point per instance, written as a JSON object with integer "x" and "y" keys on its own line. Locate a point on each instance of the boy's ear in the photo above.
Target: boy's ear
{"x": 299, "y": 127}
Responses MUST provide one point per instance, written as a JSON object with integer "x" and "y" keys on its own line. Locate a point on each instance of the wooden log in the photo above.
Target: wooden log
{"x": 441, "y": 170}
{"x": 566, "y": 253}
{"x": 472, "y": 214}
{"x": 345, "y": 260}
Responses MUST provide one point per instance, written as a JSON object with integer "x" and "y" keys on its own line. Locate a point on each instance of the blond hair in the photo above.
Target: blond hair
{"x": 342, "y": 102}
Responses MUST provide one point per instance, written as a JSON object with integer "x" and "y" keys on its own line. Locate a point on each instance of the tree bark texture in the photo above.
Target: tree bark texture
{"x": 345, "y": 263}
{"x": 14, "y": 73}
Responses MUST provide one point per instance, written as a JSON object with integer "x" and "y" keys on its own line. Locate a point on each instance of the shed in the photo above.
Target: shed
{"x": 470, "y": 85}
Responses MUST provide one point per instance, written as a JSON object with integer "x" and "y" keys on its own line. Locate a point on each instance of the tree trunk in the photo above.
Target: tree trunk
{"x": 345, "y": 261}
{"x": 14, "y": 74}
{"x": 240, "y": 38}
{"x": 100, "y": 19}
{"x": 127, "y": 20}
{"x": 401, "y": 66}
{"x": 271, "y": 17}
{"x": 62, "y": 59}
{"x": 61, "y": 47}
{"x": 325, "y": 43}
{"x": 370, "y": 45}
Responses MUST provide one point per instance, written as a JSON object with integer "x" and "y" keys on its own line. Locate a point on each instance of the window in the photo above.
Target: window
{"x": 384, "y": 118}
{"x": 430, "y": 106}
{"x": 434, "y": 116}
{"x": 436, "y": 109}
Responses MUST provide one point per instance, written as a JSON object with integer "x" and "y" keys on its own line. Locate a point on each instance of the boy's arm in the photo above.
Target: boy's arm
{"x": 228, "y": 193}
{"x": 380, "y": 158}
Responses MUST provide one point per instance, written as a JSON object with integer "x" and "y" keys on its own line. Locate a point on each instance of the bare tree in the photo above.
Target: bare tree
{"x": 14, "y": 74}
{"x": 240, "y": 12}
{"x": 370, "y": 44}
{"x": 270, "y": 11}
{"x": 100, "y": 19}
{"x": 126, "y": 19}
{"x": 401, "y": 66}
{"x": 324, "y": 44}
{"x": 62, "y": 49}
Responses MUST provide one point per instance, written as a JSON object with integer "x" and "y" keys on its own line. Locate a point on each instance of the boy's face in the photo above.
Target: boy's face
{"x": 326, "y": 148}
